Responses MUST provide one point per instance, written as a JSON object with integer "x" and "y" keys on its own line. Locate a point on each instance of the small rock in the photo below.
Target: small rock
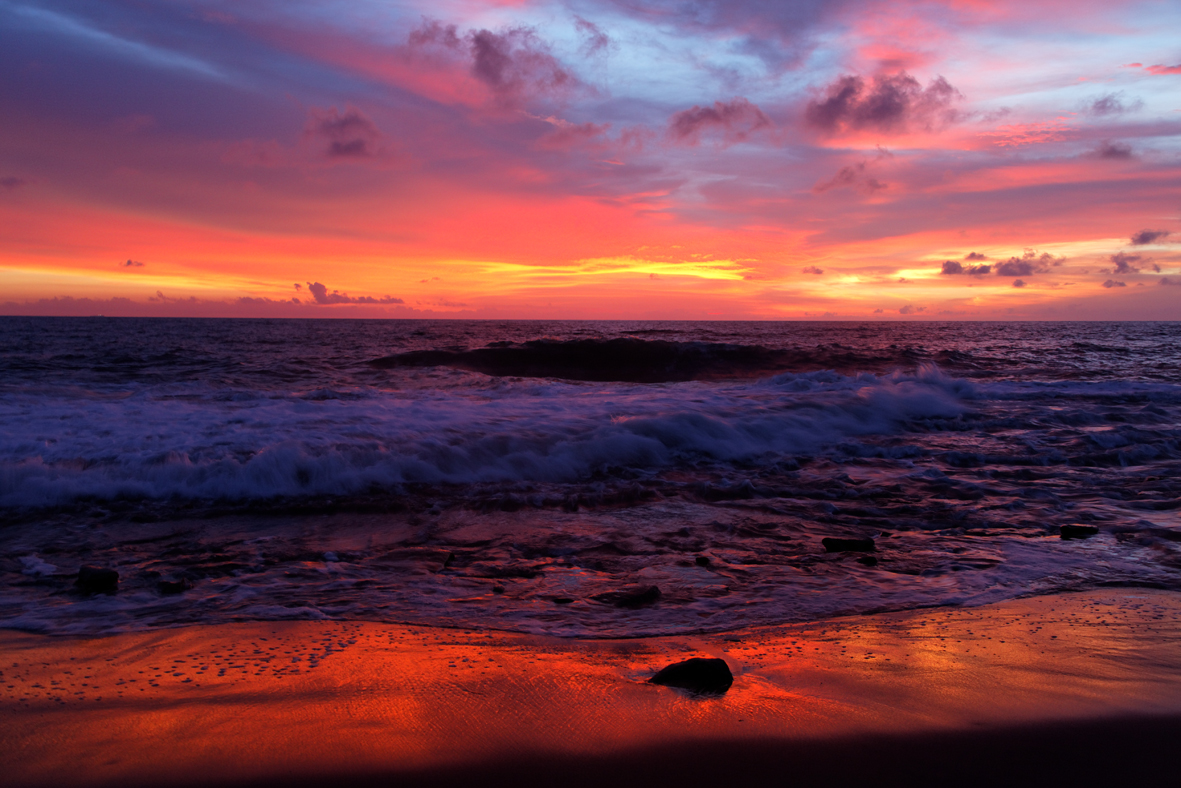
{"x": 631, "y": 598}
{"x": 174, "y": 586}
{"x": 834, "y": 544}
{"x": 562, "y": 600}
{"x": 1078, "y": 531}
{"x": 868, "y": 560}
{"x": 702, "y": 560}
{"x": 94, "y": 580}
{"x": 703, "y": 676}
{"x": 498, "y": 589}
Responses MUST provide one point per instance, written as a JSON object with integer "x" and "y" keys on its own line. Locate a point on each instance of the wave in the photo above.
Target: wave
{"x": 216, "y": 447}
{"x": 628, "y": 359}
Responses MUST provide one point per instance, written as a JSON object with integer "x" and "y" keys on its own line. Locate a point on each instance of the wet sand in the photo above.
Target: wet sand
{"x": 1084, "y": 688}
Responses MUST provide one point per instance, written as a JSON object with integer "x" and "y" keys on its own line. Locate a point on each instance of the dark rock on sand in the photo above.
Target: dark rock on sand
{"x": 1078, "y": 531}
{"x": 630, "y": 598}
{"x": 95, "y": 580}
{"x": 868, "y": 560}
{"x": 562, "y": 600}
{"x": 834, "y": 544}
{"x": 704, "y": 676}
{"x": 701, "y": 560}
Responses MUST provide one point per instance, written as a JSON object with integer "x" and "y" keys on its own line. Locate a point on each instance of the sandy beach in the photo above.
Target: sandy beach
{"x": 1085, "y": 685}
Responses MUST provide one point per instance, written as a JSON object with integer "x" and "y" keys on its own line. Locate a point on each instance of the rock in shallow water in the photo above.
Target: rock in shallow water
{"x": 631, "y": 597}
{"x": 173, "y": 586}
{"x": 1078, "y": 531}
{"x": 700, "y": 675}
{"x": 834, "y": 544}
{"x": 94, "y": 580}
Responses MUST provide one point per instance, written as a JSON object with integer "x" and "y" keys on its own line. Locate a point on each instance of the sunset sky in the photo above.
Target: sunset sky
{"x": 763, "y": 159}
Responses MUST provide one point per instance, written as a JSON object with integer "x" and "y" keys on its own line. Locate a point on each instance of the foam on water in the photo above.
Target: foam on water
{"x": 280, "y": 479}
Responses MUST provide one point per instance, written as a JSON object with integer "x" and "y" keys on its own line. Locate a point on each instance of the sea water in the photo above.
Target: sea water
{"x": 546, "y": 476}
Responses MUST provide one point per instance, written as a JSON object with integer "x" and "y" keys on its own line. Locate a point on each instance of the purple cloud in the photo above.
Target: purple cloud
{"x": 890, "y": 103}
{"x": 736, "y": 119}
{"x": 350, "y": 134}
{"x": 1149, "y": 236}
{"x": 322, "y": 296}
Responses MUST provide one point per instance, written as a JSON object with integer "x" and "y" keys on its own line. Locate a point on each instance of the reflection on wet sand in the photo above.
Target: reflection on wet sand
{"x": 268, "y": 701}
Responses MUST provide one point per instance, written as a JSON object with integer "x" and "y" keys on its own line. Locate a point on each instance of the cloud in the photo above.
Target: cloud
{"x": 1110, "y": 149}
{"x": 1018, "y": 283}
{"x": 1123, "y": 263}
{"x": 891, "y": 103}
{"x": 322, "y": 296}
{"x": 812, "y": 270}
{"x": 1110, "y": 283}
{"x": 1028, "y": 264}
{"x": 568, "y": 135}
{"x": 11, "y": 182}
{"x": 1148, "y": 236}
{"x": 878, "y": 311}
{"x": 350, "y": 134}
{"x": 1111, "y": 104}
{"x": 1166, "y": 281}
{"x": 131, "y": 264}
{"x": 594, "y": 40}
{"x": 852, "y": 177}
{"x": 952, "y": 268}
{"x": 975, "y": 256}
{"x": 514, "y": 64}
{"x": 736, "y": 119}
{"x": 1160, "y": 70}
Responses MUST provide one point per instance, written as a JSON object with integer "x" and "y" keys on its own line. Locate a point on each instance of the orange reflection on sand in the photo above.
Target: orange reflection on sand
{"x": 268, "y": 700}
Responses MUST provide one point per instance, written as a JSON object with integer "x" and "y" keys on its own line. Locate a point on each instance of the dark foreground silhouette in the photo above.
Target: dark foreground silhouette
{"x": 1116, "y": 751}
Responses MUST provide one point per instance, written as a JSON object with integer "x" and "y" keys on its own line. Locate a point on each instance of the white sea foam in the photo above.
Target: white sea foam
{"x": 212, "y": 444}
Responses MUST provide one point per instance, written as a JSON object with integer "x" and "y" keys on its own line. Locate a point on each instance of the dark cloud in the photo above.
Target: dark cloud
{"x": 852, "y": 177}
{"x": 515, "y": 64}
{"x": 1018, "y": 283}
{"x": 1166, "y": 282}
{"x": 975, "y": 256}
{"x": 910, "y": 310}
{"x": 1111, "y": 104}
{"x": 1110, "y": 283}
{"x": 322, "y": 296}
{"x": 736, "y": 120}
{"x": 1124, "y": 263}
{"x": 1148, "y": 236}
{"x": 952, "y": 268}
{"x": 350, "y": 134}
{"x": 1110, "y": 149}
{"x": 594, "y": 40}
{"x": 890, "y": 103}
{"x": 878, "y": 311}
{"x": 11, "y": 182}
{"x": 131, "y": 264}
{"x": 812, "y": 270}
{"x": 1028, "y": 264}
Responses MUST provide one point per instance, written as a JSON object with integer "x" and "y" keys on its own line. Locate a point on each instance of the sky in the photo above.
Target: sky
{"x": 592, "y": 159}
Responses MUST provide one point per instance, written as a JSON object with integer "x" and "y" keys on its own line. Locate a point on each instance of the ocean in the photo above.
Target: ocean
{"x": 576, "y": 479}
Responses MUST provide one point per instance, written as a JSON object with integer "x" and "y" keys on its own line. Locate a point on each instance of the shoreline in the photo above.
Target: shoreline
{"x": 1057, "y": 683}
